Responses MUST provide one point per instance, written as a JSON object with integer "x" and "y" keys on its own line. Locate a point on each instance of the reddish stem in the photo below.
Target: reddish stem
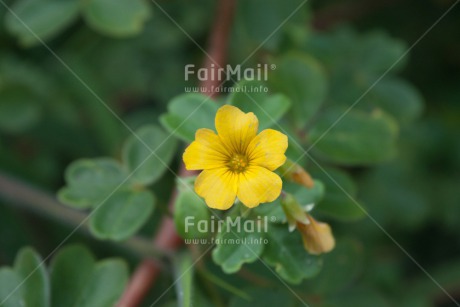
{"x": 149, "y": 270}
{"x": 138, "y": 287}
{"x": 166, "y": 238}
{"x": 218, "y": 44}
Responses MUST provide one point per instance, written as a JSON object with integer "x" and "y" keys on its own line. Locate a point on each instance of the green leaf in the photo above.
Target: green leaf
{"x": 91, "y": 181}
{"x": 250, "y": 96}
{"x": 285, "y": 252}
{"x": 302, "y": 79}
{"x": 349, "y": 54}
{"x": 191, "y": 215}
{"x": 237, "y": 245}
{"x": 40, "y": 18}
{"x": 266, "y": 30}
{"x": 71, "y": 271}
{"x": 397, "y": 97}
{"x": 106, "y": 284}
{"x": 187, "y": 113}
{"x": 183, "y": 271}
{"x": 31, "y": 268}
{"x": 377, "y": 52}
{"x": 122, "y": 214}
{"x": 20, "y": 110}
{"x": 11, "y": 292}
{"x": 306, "y": 196}
{"x": 117, "y": 18}
{"x": 148, "y": 164}
{"x": 358, "y": 138}
{"x": 272, "y": 211}
{"x": 77, "y": 280}
{"x": 336, "y": 203}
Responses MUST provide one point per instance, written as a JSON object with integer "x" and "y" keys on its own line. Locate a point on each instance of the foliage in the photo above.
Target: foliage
{"x": 73, "y": 278}
{"x": 92, "y": 105}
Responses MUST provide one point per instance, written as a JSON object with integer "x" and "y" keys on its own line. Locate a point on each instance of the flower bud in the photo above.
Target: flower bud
{"x": 296, "y": 173}
{"x": 317, "y": 236}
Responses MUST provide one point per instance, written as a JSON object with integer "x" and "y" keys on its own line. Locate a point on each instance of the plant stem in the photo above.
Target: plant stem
{"x": 218, "y": 44}
{"x": 148, "y": 271}
{"x": 26, "y": 196}
{"x": 166, "y": 238}
{"x": 215, "y": 280}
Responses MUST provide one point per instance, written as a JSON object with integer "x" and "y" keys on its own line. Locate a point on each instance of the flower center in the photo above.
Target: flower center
{"x": 238, "y": 163}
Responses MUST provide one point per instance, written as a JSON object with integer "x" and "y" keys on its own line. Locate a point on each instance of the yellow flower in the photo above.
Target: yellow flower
{"x": 236, "y": 162}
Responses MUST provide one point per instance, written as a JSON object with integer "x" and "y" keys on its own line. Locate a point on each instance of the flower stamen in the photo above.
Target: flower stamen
{"x": 238, "y": 163}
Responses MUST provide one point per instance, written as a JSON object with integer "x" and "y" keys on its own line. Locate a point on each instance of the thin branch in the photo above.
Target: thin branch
{"x": 147, "y": 271}
{"x": 218, "y": 44}
{"x": 25, "y": 196}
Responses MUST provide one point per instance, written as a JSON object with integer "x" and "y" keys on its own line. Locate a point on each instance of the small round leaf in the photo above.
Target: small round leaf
{"x": 148, "y": 154}
{"x": 30, "y": 266}
{"x": 40, "y": 18}
{"x": 122, "y": 214}
{"x": 191, "y": 215}
{"x": 117, "y": 18}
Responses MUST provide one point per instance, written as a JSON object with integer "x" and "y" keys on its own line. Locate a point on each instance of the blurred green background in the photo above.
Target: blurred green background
{"x": 132, "y": 57}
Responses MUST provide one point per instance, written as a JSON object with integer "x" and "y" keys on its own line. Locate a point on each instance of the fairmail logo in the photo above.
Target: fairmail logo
{"x": 229, "y": 72}
{"x": 229, "y": 224}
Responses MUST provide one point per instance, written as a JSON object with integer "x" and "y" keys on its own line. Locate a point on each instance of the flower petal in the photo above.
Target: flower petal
{"x": 235, "y": 128}
{"x": 206, "y": 152}
{"x": 218, "y": 187}
{"x": 258, "y": 185}
{"x": 267, "y": 149}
